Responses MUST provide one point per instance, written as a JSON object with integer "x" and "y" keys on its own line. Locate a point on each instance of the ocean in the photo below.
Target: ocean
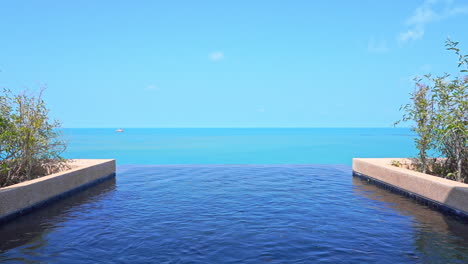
{"x": 238, "y": 145}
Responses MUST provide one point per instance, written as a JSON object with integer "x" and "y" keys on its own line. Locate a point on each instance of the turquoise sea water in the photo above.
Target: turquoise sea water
{"x": 239, "y": 145}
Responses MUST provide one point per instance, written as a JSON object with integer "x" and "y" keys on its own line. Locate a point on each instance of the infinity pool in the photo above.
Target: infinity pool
{"x": 235, "y": 214}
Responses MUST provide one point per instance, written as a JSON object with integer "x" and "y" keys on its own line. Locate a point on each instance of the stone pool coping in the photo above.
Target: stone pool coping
{"x": 18, "y": 199}
{"x": 442, "y": 194}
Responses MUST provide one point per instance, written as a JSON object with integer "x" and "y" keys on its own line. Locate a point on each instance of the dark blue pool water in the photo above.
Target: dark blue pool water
{"x": 235, "y": 214}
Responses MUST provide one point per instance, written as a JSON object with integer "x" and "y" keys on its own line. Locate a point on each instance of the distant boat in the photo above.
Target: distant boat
{"x": 119, "y": 130}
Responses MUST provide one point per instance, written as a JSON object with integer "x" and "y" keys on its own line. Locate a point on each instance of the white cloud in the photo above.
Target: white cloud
{"x": 151, "y": 87}
{"x": 430, "y": 11}
{"x": 216, "y": 56}
{"x": 411, "y": 34}
{"x": 377, "y": 46}
{"x": 426, "y": 68}
{"x": 423, "y": 14}
{"x": 458, "y": 10}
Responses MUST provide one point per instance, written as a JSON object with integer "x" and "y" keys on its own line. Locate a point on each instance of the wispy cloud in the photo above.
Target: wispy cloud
{"x": 377, "y": 46}
{"x": 411, "y": 34}
{"x": 152, "y": 87}
{"x": 216, "y": 55}
{"x": 425, "y": 68}
{"x": 430, "y": 11}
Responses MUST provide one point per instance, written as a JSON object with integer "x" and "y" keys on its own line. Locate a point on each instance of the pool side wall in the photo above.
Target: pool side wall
{"x": 18, "y": 199}
{"x": 445, "y": 195}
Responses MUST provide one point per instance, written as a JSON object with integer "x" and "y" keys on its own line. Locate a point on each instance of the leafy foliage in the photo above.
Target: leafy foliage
{"x": 421, "y": 111}
{"x": 440, "y": 113}
{"x": 30, "y": 144}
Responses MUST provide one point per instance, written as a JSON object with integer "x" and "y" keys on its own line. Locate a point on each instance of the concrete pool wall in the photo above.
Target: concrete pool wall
{"x": 23, "y": 197}
{"x": 443, "y": 194}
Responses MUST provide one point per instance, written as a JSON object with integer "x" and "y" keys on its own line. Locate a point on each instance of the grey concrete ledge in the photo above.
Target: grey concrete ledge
{"x": 442, "y": 194}
{"x": 21, "y": 198}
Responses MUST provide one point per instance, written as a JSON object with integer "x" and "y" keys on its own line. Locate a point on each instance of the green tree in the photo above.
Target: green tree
{"x": 421, "y": 111}
{"x": 451, "y": 98}
{"x": 440, "y": 115}
{"x": 30, "y": 144}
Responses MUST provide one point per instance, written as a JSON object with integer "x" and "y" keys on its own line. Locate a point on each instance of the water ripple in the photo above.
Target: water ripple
{"x": 235, "y": 214}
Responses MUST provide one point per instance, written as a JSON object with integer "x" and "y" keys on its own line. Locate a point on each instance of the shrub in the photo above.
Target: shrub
{"x": 30, "y": 144}
{"x": 439, "y": 111}
{"x": 421, "y": 111}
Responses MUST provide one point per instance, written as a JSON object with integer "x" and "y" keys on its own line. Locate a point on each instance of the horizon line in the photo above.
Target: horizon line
{"x": 223, "y": 127}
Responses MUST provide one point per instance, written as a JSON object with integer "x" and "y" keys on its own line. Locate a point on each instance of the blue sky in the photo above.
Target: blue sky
{"x": 226, "y": 63}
